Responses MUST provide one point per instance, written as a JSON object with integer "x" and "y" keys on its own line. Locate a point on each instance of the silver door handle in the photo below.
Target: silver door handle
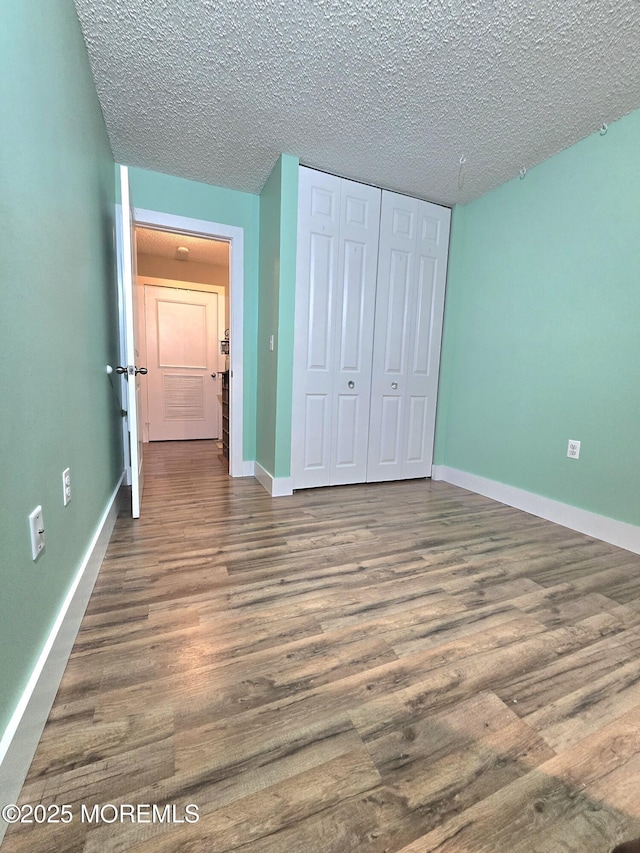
{"x": 130, "y": 370}
{"x": 394, "y": 385}
{"x": 351, "y": 383}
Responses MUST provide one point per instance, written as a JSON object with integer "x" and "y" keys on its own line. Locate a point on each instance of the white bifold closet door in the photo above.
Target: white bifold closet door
{"x": 338, "y": 225}
{"x": 371, "y": 274}
{"x": 412, "y": 269}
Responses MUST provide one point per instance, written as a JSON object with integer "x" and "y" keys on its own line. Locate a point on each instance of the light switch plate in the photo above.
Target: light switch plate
{"x": 66, "y": 485}
{"x": 36, "y": 528}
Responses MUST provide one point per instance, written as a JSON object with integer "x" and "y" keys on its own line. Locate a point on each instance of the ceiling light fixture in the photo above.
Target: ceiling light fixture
{"x": 182, "y": 253}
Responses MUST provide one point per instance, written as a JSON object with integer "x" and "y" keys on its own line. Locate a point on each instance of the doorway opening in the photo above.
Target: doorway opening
{"x": 189, "y": 287}
{"x": 182, "y": 294}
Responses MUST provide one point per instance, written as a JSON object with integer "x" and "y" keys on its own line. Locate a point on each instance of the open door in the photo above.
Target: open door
{"x": 129, "y": 369}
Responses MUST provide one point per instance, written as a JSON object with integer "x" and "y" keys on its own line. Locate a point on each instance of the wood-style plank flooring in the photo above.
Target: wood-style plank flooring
{"x": 378, "y": 668}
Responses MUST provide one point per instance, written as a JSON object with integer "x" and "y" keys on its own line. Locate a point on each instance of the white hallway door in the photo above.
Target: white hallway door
{"x": 183, "y": 332}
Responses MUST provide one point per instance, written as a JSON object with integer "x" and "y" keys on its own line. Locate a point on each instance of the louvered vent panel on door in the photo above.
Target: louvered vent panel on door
{"x": 183, "y": 397}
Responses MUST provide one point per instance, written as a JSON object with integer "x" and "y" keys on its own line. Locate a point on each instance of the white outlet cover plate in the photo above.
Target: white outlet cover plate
{"x": 573, "y": 449}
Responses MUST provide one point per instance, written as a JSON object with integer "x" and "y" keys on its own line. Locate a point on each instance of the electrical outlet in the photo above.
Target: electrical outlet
{"x": 66, "y": 485}
{"x": 573, "y": 450}
{"x": 36, "y": 528}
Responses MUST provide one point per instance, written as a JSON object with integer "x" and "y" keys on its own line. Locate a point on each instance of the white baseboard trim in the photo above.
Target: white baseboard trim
{"x": 248, "y": 468}
{"x": 278, "y": 487}
{"x": 21, "y": 737}
{"x": 609, "y": 530}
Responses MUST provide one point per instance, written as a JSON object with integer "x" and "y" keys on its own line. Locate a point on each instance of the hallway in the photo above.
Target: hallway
{"x": 393, "y": 667}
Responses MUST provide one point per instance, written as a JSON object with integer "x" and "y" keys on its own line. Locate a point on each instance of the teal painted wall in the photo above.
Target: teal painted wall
{"x": 541, "y": 340}
{"x": 277, "y": 272}
{"x": 286, "y": 312}
{"x": 180, "y": 197}
{"x": 269, "y": 282}
{"x": 58, "y": 322}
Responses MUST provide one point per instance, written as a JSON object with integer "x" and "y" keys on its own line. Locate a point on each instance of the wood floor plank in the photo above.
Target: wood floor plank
{"x": 365, "y": 669}
{"x": 225, "y": 763}
{"x": 580, "y": 712}
{"x": 264, "y": 814}
{"x": 450, "y": 666}
{"x": 485, "y": 664}
{"x": 539, "y": 689}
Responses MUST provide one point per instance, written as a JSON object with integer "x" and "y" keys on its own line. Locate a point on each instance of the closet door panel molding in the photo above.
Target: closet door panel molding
{"x": 314, "y": 343}
{"x": 422, "y": 380}
{"x": 371, "y": 274}
{"x": 357, "y": 271}
{"x": 411, "y": 281}
{"x": 395, "y": 306}
{"x": 335, "y": 309}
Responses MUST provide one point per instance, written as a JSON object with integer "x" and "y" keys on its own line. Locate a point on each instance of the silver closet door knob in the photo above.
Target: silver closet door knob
{"x": 351, "y": 383}
{"x": 394, "y": 385}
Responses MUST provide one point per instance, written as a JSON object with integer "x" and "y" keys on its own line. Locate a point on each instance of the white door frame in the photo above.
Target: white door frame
{"x": 234, "y": 235}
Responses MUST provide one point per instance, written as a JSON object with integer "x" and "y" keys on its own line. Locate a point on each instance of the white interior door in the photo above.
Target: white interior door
{"x": 130, "y": 368}
{"x": 355, "y": 311}
{"x": 414, "y": 240}
{"x": 316, "y": 276}
{"x": 338, "y": 224}
{"x": 183, "y": 329}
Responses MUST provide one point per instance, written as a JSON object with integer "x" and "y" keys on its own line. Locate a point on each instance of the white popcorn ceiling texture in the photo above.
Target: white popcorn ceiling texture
{"x": 389, "y": 92}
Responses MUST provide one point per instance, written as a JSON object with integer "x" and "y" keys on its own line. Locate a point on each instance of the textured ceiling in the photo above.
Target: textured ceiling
{"x": 150, "y": 241}
{"x": 390, "y": 92}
